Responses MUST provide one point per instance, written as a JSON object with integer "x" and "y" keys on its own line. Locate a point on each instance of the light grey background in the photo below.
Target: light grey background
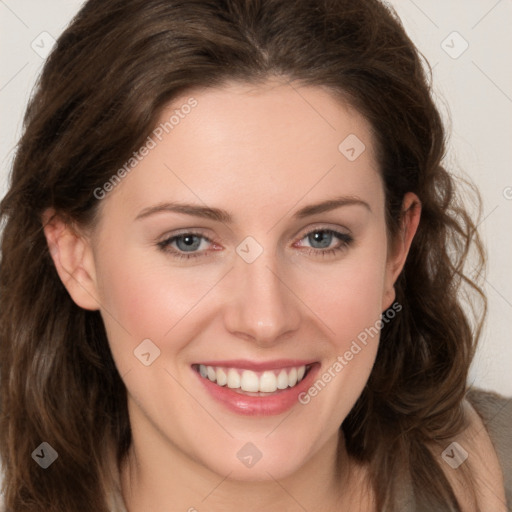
{"x": 473, "y": 89}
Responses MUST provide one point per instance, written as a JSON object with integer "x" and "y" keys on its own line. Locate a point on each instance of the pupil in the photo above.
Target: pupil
{"x": 322, "y": 237}
{"x": 189, "y": 241}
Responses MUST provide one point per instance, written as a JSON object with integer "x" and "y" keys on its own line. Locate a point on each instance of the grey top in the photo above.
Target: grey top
{"x": 496, "y": 413}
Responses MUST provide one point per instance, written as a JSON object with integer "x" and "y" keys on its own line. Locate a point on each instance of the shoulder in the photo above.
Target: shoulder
{"x": 492, "y": 428}
{"x": 480, "y": 455}
{"x": 483, "y": 452}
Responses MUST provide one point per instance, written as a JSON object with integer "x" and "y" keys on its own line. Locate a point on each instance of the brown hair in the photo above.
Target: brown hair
{"x": 99, "y": 96}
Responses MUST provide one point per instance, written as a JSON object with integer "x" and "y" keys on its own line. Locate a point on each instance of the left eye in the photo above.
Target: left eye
{"x": 187, "y": 245}
{"x": 322, "y": 237}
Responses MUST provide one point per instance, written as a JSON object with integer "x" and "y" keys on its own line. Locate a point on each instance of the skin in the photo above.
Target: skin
{"x": 261, "y": 152}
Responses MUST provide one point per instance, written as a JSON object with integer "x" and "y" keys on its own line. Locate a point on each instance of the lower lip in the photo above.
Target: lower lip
{"x": 269, "y": 405}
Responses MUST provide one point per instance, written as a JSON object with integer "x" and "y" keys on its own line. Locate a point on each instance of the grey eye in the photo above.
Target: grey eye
{"x": 323, "y": 238}
{"x": 188, "y": 242}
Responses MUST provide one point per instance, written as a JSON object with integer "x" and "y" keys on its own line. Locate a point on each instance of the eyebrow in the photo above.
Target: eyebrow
{"x": 220, "y": 215}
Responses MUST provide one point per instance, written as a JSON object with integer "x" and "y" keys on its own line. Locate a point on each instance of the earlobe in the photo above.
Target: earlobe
{"x": 389, "y": 297}
{"x": 72, "y": 257}
{"x": 411, "y": 213}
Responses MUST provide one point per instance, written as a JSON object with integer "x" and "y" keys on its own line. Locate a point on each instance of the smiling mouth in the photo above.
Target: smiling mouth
{"x": 252, "y": 383}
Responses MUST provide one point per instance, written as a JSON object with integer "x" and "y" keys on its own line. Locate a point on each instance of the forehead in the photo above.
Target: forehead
{"x": 254, "y": 147}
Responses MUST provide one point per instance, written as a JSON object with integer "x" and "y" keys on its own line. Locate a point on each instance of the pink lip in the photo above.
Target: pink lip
{"x": 277, "y": 403}
{"x": 245, "y": 364}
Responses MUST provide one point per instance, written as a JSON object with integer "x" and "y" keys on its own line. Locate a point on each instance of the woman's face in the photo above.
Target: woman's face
{"x": 248, "y": 247}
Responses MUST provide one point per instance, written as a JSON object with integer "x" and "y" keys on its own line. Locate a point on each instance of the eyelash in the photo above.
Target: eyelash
{"x": 345, "y": 239}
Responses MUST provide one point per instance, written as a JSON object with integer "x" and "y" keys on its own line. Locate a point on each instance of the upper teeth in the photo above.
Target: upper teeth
{"x": 247, "y": 380}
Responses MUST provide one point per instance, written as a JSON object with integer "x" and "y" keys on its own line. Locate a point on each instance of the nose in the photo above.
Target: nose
{"x": 262, "y": 307}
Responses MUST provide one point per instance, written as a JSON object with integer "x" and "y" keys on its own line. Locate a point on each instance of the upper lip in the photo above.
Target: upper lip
{"x": 246, "y": 364}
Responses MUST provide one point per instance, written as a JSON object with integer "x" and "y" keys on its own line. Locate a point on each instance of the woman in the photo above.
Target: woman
{"x": 232, "y": 268}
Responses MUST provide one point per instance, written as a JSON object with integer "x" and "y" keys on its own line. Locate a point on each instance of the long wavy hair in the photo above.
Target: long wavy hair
{"x": 99, "y": 96}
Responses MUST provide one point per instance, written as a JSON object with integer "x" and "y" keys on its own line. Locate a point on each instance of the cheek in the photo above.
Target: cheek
{"x": 347, "y": 295}
{"x": 345, "y": 299}
{"x": 350, "y": 308}
{"x": 143, "y": 298}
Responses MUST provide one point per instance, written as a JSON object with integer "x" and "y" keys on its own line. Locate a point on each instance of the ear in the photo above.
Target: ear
{"x": 73, "y": 259}
{"x": 410, "y": 218}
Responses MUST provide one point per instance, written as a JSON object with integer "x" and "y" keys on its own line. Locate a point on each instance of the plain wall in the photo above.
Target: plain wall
{"x": 467, "y": 43}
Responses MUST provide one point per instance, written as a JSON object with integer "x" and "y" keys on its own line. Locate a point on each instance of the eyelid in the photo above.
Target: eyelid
{"x": 190, "y": 231}
{"x": 323, "y": 227}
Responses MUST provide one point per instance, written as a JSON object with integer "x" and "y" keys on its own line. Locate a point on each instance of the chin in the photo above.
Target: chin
{"x": 258, "y": 460}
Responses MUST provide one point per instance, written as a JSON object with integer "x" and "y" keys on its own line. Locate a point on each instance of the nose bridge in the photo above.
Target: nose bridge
{"x": 262, "y": 306}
